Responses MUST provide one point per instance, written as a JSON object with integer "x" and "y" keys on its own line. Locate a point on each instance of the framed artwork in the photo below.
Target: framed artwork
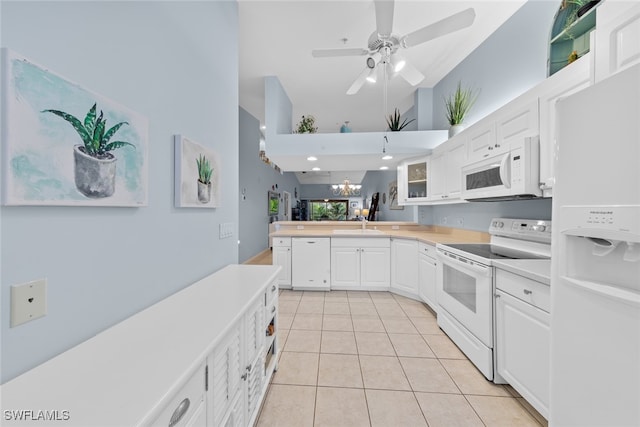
{"x": 66, "y": 145}
{"x": 197, "y": 172}
{"x": 354, "y": 205}
{"x": 393, "y": 196}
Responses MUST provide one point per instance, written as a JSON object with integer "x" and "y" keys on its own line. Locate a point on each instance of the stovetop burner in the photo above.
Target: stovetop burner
{"x": 489, "y": 251}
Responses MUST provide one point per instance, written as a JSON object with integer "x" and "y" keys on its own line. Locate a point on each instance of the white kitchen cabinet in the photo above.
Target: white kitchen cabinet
{"x": 446, "y": 169}
{"x": 566, "y": 81}
{"x": 523, "y": 337}
{"x": 226, "y": 372}
{"x": 481, "y": 137}
{"x": 311, "y": 263}
{"x": 427, "y": 263}
{"x": 617, "y": 39}
{"x": 360, "y": 263}
{"x": 515, "y": 121}
{"x": 404, "y": 267}
{"x": 282, "y": 257}
{"x": 413, "y": 181}
{"x": 187, "y": 407}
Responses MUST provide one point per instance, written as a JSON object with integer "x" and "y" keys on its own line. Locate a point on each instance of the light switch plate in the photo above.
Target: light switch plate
{"x": 28, "y": 301}
{"x": 226, "y": 230}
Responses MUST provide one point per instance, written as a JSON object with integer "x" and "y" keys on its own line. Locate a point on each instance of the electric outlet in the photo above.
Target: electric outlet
{"x": 459, "y": 222}
{"x": 28, "y": 301}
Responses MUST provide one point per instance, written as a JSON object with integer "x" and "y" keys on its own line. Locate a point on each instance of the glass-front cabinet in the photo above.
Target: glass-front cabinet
{"x": 413, "y": 181}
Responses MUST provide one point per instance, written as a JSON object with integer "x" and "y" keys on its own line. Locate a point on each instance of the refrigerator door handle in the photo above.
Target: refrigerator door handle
{"x": 607, "y": 291}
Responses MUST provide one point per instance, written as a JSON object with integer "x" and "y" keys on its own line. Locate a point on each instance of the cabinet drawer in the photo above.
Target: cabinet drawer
{"x": 282, "y": 241}
{"x": 427, "y": 249}
{"x": 367, "y": 242}
{"x": 527, "y": 290}
{"x": 184, "y": 404}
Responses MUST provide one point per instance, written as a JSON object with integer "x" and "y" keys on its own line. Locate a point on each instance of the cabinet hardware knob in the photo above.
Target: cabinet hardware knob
{"x": 497, "y": 145}
{"x": 273, "y": 288}
{"x": 497, "y": 295}
{"x": 244, "y": 377}
{"x": 490, "y": 147}
{"x": 527, "y": 292}
{"x": 273, "y": 309}
{"x": 248, "y": 368}
{"x": 177, "y": 415}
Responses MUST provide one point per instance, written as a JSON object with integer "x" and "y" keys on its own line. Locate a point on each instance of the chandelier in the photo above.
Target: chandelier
{"x": 346, "y": 189}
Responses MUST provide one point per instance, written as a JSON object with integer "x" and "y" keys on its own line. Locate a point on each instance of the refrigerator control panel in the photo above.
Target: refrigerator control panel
{"x": 622, "y": 219}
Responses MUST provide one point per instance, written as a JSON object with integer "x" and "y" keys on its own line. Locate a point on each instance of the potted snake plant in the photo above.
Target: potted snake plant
{"x": 94, "y": 164}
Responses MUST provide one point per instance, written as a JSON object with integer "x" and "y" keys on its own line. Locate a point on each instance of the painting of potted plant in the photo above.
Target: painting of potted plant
{"x": 197, "y": 171}
{"x": 457, "y": 106}
{"x": 94, "y": 164}
{"x": 204, "y": 179}
{"x": 61, "y": 142}
{"x": 393, "y": 121}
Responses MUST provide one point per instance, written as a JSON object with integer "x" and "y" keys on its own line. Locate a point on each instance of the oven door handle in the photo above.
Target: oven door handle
{"x": 456, "y": 262}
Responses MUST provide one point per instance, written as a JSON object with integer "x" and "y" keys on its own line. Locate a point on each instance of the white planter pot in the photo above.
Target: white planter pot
{"x": 95, "y": 178}
{"x": 455, "y": 129}
{"x": 204, "y": 192}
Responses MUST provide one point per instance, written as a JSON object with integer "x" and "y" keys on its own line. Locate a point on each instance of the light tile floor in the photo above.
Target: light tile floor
{"x": 378, "y": 359}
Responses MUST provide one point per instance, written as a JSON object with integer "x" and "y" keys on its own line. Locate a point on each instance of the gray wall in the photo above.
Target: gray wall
{"x": 510, "y": 62}
{"x": 378, "y": 181}
{"x": 256, "y": 179}
{"x": 161, "y": 59}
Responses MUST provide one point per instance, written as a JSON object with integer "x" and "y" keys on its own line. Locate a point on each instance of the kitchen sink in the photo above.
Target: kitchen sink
{"x": 356, "y": 232}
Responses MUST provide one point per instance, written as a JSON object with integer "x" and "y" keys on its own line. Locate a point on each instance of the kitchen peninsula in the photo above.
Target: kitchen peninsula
{"x": 350, "y": 255}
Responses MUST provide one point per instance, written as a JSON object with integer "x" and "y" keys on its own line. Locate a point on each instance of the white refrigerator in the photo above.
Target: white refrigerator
{"x": 595, "y": 287}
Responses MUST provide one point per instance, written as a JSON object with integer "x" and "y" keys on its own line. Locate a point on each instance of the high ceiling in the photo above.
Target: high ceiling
{"x": 277, "y": 37}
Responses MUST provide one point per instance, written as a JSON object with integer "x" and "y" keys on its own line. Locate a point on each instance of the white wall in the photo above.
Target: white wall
{"x": 163, "y": 60}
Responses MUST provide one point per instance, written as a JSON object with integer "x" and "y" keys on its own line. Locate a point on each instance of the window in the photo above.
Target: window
{"x": 329, "y": 210}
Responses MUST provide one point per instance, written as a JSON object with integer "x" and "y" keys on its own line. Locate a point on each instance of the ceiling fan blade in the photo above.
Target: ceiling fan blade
{"x": 355, "y": 87}
{"x": 384, "y": 17}
{"x": 448, "y": 25}
{"x": 411, "y": 74}
{"x": 325, "y": 53}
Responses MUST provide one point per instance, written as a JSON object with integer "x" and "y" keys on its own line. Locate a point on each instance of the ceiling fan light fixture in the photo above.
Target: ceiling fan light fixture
{"x": 373, "y": 76}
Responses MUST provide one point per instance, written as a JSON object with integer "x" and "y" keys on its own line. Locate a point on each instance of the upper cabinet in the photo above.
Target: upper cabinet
{"x": 570, "y": 34}
{"x": 446, "y": 163}
{"x": 617, "y": 41}
{"x": 413, "y": 183}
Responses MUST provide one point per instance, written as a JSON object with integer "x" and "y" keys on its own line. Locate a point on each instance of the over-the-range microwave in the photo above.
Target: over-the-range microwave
{"x": 509, "y": 175}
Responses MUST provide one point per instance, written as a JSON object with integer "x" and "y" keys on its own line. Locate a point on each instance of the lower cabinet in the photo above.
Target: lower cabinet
{"x": 523, "y": 337}
{"x": 404, "y": 267}
{"x": 188, "y": 406}
{"x": 427, "y": 262}
{"x": 360, "y": 263}
{"x": 282, "y": 257}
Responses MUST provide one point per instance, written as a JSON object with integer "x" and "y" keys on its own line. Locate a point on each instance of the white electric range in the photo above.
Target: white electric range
{"x": 466, "y": 288}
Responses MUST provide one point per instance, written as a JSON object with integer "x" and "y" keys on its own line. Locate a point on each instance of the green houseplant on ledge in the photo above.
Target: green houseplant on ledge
{"x": 306, "y": 125}
{"x": 393, "y": 121}
{"x": 457, "y": 106}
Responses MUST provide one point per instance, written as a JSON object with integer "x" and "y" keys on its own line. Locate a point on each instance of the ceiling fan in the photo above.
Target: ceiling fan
{"x": 383, "y": 45}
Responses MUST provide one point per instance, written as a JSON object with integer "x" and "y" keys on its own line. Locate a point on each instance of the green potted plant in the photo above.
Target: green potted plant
{"x": 94, "y": 165}
{"x": 306, "y": 125}
{"x": 393, "y": 121}
{"x": 204, "y": 179}
{"x": 457, "y": 106}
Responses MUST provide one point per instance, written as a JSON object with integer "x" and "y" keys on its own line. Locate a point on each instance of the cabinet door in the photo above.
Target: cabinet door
{"x": 255, "y": 382}
{"x": 482, "y": 139}
{"x": 404, "y": 266}
{"x": 438, "y": 176}
{"x": 617, "y": 37}
{"x": 413, "y": 184}
{"x": 456, "y": 157}
{"x": 282, "y": 257}
{"x": 522, "y": 342}
{"x": 427, "y": 278}
{"x": 254, "y": 330}
{"x": 375, "y": 268}
{"x": 345, "y": 267}
{"x": 226, "y": 372}
{"x": 563, "y": 83}
{"x": 515, "y": 122}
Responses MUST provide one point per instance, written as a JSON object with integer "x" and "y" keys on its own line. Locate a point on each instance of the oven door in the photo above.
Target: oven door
{"x": 465, "y": 290}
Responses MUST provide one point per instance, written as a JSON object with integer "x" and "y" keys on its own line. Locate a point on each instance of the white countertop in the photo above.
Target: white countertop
{"x": 117, "y": 377}
{"x": 534, "y": 269}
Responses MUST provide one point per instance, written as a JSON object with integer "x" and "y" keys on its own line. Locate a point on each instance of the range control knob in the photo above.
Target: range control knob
{"x": 538, "y": 227}
{"x": 498, "y": 224}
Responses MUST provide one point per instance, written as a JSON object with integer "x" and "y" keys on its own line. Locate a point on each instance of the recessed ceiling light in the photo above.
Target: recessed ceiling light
{"x": 315, "y": 169}
{"x": 384, "y": 168}
{"x": 387, "y": 157}
{"x": 312, "y": 158}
